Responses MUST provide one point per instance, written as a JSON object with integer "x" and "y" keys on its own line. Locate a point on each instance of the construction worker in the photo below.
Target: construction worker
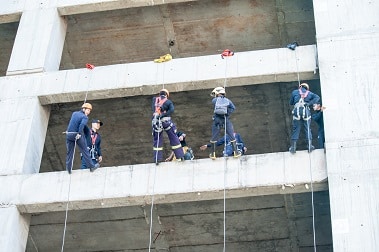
{"x": 319, "y": 119}
{"x": 162, "y": 109}
{"x": 75, "y": 136}
{"x": 188, "y": 153}
{"x": 93, "y": 139}
{"x": 223, "y": 107}
{"x": 302, "y": 99}
{"x": 228, "y": 150}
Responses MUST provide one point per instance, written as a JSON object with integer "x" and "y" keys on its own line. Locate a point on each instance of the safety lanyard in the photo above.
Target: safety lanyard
{"x": 93, "y": 136}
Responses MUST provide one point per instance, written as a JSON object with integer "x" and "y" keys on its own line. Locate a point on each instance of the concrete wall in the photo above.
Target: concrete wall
{"x": 347, "y": 41}
{"x": 348, "y": 52}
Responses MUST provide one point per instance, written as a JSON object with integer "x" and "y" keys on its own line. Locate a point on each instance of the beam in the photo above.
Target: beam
{"x": 203, "y": 179}
{"x": 183, "y": 74}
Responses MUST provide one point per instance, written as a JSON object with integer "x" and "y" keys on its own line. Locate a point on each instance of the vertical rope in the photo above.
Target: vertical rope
{"x": 312, "y": 191}
{"x": 297, "y": 69}
{"x": 310, "y": 165}
{"x": 68, "y": 200}
{"x": 155, "y": 171}
{"x": 151, "y": 209}
{"x": 225, "y": 161}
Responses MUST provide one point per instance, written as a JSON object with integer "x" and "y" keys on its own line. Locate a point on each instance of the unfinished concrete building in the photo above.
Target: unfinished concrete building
{"x": 266, "y": 200}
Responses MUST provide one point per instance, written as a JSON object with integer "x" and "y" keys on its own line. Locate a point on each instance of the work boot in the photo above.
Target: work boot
{"x": 310, "y": 146}
{"x": 292, "y": 149}
{"x": 236, "y": 152}
{"x": 92, "y": 169}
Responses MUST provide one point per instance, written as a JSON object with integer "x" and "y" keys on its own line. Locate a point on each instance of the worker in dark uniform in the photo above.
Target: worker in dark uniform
{"x": 302, "y": 99}
{"x": 228, "y": 150}
{"x": 75, "y": 136}
{"x": 93, "y": 139}
{"x": 223, "y": 108}
{"x": 319, "y": 119}
{"x": 162, "y": 109}
{"x": 188, "y": 153}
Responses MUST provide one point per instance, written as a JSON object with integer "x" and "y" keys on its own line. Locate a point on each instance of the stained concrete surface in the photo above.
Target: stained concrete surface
{"x": 263, "y": 223}
{"x": 262, "y": 117}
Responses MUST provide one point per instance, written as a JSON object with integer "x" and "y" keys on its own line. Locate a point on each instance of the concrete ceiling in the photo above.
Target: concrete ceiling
{"x": 264, "y": 223}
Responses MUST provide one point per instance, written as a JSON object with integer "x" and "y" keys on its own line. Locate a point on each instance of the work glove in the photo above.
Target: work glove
{"x": 77, "y": 136}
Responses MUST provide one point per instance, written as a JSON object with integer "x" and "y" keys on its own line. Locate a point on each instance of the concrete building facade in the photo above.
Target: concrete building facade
{"x": 268, "y": 200}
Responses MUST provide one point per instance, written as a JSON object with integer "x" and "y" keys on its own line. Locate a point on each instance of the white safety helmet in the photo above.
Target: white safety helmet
{"x": 304, "y": 85}
{"x": 218, "y": 90}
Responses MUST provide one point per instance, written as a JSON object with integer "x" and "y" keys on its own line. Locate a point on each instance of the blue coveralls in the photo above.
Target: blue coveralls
{"x": 76, "y": 126}
{"x": 219, "y": 122}
{"x": 93, "y": 140}
{"x": 319, "y": 119}
{"x": 163, "y": 122}
{"x": 302, "y": 113}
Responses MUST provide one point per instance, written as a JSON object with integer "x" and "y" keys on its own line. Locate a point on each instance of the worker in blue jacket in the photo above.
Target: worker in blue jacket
{"x": 319, "y": 119}
{"x": 75, "y": 136}
{"x": 93, "y": 139}
{"x": 302, "y": 99}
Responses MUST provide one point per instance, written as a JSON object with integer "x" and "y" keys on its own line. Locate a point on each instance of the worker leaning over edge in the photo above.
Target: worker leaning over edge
{"x": 75, "y": 136}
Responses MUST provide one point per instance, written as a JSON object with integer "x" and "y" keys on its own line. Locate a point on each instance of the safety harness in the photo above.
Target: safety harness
{"x": 157, "y": 120}
{"x": 301, "y": 104}
{"x": 93, "y": 151}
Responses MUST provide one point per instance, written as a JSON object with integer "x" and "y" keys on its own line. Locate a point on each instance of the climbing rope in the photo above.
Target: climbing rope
{"x": 156, "y": 162}
{"x": 90, "y": 67}
{"x": 312, "y": 191}
{"x": 293, "y": 46}
{"x": 225, "y": 54}
{"x": 68, "y": 200}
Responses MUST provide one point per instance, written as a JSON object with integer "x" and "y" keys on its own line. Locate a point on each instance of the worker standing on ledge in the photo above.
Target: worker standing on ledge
{"x": 223, "y": 107}
{"x": 162, "y": 109}
{"x": 302, "y": 99}
{"x": 75, "y": 136}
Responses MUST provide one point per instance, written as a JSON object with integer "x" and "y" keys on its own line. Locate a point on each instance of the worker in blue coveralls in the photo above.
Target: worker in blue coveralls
{"x": 93, "y": 139}
{"x": 319, "y": 119}
{"x": 75, "y": 136}
{"x": 228, "y": 150}
{"x": 162, "y": 109}
{"x": 223, "y": 107}
{"x": 302, "y": 99}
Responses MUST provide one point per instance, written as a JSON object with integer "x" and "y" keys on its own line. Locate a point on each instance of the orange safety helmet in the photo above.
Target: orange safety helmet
{"x": 166, "y": 91}
{"x": 87, "y": 106}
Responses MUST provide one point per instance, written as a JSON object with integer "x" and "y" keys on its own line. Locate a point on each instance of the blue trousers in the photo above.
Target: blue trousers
{"x": 321, "y": 138}
{"x": 218, "y": 124}
{"x": 70, "y": 146}
{"x": 301, "y": 116}
{"x": 84, "y": 164}
{"x": 169, "y": 127}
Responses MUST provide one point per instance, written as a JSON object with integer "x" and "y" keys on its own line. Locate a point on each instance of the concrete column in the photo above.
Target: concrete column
{"x": 39, "y": 42}
{"x": 14, "y": 229}
{"x": 23, "y": 129}
{"x": 348, "y": 52}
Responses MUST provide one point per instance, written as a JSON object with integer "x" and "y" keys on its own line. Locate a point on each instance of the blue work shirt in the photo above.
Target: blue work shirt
{"x": 77, "y": 122}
